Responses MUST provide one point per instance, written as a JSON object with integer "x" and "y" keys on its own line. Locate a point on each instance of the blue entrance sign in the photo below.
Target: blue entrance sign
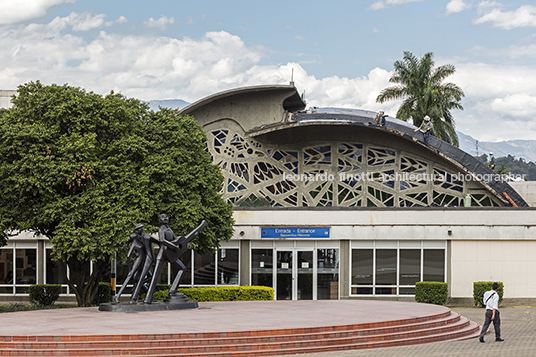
{"x": 294, "y": 232}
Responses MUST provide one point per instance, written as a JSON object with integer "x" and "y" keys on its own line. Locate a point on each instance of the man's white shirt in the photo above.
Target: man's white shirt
{"x": 493, "y": 301}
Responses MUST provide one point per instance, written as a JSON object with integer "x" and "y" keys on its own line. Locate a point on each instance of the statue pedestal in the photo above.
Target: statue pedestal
{"x": 172, "y": 302}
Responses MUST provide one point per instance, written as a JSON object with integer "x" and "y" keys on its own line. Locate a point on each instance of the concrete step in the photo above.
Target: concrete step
{"x": 426, "y": 329}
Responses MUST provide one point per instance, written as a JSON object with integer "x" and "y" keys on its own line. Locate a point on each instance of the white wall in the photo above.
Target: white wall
{"x": 5, "y": 98}
{"x": 527, "y": 190}
{"x": 485, "y": 244}
{"x": 413, "y": 224}
{"x": 511, "y": 262}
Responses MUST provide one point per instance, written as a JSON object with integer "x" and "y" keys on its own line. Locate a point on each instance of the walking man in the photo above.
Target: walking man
{"x": 491, "y": 300}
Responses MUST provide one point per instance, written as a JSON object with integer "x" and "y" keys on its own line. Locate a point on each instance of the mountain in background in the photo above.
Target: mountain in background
{"x": 167, "y": 103}
{"x": 525, "y": 149}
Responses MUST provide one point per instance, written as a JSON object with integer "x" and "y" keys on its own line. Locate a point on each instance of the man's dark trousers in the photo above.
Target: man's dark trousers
{"x": 496, "y": 323}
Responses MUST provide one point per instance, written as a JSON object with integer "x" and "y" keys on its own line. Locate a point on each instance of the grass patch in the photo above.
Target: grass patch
{"x": 31, "y": 307}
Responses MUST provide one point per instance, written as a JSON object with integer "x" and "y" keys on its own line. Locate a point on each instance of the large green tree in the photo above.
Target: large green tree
{"x": 83, "y": 169}
{"x": 421, "y": 88}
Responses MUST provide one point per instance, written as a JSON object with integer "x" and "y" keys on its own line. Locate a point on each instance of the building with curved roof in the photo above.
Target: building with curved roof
{"x": 329, "y": 204}
{"x": 274, "y": 154}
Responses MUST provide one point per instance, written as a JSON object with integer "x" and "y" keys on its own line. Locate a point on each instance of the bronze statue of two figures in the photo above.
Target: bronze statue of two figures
{"x": 171, "y": 248}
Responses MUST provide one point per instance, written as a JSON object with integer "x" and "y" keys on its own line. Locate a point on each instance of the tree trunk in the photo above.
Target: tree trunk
{"x": 83, "y": 284}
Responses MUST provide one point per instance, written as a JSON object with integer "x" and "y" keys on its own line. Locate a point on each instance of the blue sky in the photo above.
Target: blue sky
{"x": 341, "y": 52}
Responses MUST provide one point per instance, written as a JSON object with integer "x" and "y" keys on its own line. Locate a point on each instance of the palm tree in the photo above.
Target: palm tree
{"x": 421, "y": 87}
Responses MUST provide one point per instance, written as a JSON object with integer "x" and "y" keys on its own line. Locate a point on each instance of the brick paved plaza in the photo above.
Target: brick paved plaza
{"x": 518, "y": 325}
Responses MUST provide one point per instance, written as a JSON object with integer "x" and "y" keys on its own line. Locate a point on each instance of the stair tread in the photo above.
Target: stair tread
{"x": 202, "y": 335}
{"x": 443, "y": 322}
{"x": 471, "y": 332}
{"x": 324, "y": 343}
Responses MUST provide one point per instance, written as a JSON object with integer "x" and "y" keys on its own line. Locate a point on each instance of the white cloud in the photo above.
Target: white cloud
{"x": 383, "y": 4}
{"x": 15, "y": 11}
{"x": 121, "y": 20}
{"x": 499, "y": 100}
{"x": 87, "y": 21}
{"x": 511, "y": 52}
{"x": 455, "y": 6}
{"x": 524, "y": 16}
{"x": 161, "y": 67}
{"x": 518, "y": 105}
{"x": 161, "y": 23}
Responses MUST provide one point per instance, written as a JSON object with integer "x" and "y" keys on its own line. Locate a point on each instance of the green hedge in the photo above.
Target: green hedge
{"x": 104, "y": 294}
{"x": 480, "y": 287}
{"x": 223, "y": 293}
{"x": 44, "y": 294}
{"x": 162, "y": 287}
{"x": 159, "y": 287}
{"x": 431, "y": 292}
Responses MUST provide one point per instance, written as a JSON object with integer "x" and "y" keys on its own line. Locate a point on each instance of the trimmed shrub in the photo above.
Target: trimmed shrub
{"x": 223, "y": 293}
{"x": 431, "y": 292}
{"x": 44, "y": 294}
{"x": 104, "y": 294}
{"x": 159, "y": 290}
{"x": 162, "y": 287}
{"x": 480, "y": 287}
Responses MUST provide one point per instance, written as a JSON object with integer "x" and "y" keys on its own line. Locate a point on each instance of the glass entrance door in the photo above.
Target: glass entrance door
{"x": 294, "y": 275}
{"x": 285, "y": 276}
{"x": 305, "y": 275}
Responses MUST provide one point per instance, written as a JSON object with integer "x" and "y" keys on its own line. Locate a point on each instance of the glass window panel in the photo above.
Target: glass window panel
{"x": 406, "y": 291}
{"x": 434, "y": 265}
{"x": 25, "y": 266}
{"x": 21, "y": 290}
{"x": 228, "y": 266}
{"x": 362, "y": 267}
{"x": 53, "y": 272}
{"x": 186, "y": 259}
{"x": 386, "y": 291}
{"x": 204, "y": 269}
{"x": 327, "y": 274}
{"x": 386, "y": 267}
{"x": 361, "y": 291}
{"x": 6, "y": 270}
{"x": 284, "y": 275}
{"x": 305, "y": 275}
{"x": 410, "y": 266}
{"x": 262, "y": 267}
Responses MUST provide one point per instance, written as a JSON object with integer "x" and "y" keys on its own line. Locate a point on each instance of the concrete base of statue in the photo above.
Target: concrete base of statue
{"x": 175, "y": 301}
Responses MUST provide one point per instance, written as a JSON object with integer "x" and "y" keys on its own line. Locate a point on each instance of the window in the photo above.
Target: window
{"x": 18, "y": 269}
{"x": 227, "y": 266}
{"x": 393, "y": 268}
{"x": 434, "y": 265}
{"x": 221, "y": 268}
{"x": 6, "y": 271}
{"x": 53, "y": 273}
{"x": 262, "y": 267}
{"x": 327, "y": 274}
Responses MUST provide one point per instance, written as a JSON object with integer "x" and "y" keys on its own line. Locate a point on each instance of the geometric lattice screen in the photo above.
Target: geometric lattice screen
{"x": 331, "y": 174}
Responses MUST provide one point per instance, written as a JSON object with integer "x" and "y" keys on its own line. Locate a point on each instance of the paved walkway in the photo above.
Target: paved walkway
{"x": 518, "y": 327}
{"x": 518, "y": 324}
{"x": 212, "y": 317}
